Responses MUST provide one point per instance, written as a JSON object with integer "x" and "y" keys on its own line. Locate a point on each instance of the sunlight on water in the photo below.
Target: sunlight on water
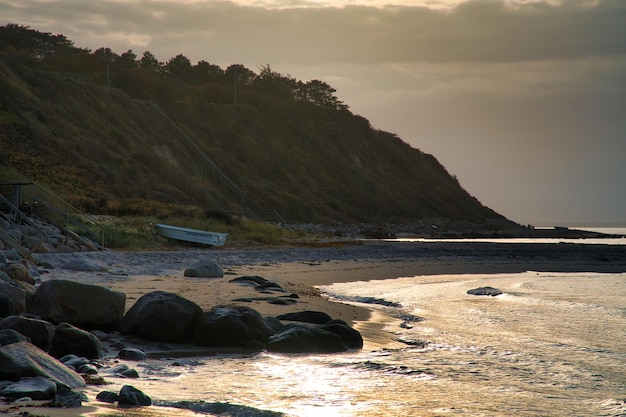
{"x": 553, "y": 344}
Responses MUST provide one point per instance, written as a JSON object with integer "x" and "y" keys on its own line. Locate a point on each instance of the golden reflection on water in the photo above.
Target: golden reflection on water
{"x": 552, "y": 345}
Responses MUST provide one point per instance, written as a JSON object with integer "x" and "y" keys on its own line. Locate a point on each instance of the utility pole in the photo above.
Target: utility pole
{"x": 235, "y": 85}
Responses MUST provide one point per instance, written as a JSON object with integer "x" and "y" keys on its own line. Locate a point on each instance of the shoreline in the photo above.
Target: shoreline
{"x": 303, "y": 270}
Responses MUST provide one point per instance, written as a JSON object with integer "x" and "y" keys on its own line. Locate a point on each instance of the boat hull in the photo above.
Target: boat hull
{"x": 191, "y": 235}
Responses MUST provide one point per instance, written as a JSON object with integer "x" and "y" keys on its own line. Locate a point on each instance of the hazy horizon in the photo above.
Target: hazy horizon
{"x": 524, "y": 101}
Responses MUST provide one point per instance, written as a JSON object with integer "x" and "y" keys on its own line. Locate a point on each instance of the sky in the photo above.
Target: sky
{"x": 524, "y": 101}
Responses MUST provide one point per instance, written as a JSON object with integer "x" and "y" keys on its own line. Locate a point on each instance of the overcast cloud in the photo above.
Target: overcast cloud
{"x": 524, "y": 101}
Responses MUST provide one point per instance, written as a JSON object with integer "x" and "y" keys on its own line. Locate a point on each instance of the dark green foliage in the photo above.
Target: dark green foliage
{"x": 279, "y": 145}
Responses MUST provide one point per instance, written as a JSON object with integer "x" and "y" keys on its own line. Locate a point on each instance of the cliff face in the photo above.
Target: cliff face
{"x": 144, "y": 142}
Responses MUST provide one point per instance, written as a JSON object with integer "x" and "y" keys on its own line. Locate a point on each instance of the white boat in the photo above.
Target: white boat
{"x": 191, "y": 235}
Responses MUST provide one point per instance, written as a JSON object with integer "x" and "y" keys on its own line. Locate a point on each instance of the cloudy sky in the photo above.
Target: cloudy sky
{"x": 524, "y": 101}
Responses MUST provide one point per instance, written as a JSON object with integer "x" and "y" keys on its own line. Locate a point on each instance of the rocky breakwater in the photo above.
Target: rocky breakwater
{"x": 42, "y": 237}
{"x": 58, "y": 336}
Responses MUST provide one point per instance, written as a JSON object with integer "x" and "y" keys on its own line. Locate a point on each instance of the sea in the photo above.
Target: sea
{"x": 552, "y": 344}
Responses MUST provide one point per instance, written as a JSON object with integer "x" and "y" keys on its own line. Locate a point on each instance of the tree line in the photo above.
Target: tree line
{"x": 57, "y": 53}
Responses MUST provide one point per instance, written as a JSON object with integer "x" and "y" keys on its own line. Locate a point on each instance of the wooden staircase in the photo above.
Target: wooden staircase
{"x": 20, "y": 203}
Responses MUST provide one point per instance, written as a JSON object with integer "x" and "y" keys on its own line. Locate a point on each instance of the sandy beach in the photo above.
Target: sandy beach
{"x": 300, "y": 269}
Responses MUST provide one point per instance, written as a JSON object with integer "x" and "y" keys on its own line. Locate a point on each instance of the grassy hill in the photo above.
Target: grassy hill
{"x": 115, "y": 134}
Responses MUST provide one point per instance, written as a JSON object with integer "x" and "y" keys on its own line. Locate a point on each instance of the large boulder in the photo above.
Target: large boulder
{"x": 68, "y": 339}
{"x": 304, "y": 339}
{"x": 232, "y": 326}
{"x": 161, "y": 316}
{"x": 83, "y": 305}
{"x": 205, "y": 269}
{"x": 23, "y": 359}
{"x": 16, "y": 294}
{"x": 39, "y": 332}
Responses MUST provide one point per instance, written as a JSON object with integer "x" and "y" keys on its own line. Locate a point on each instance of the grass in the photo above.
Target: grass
{"x": 137, "y": 233}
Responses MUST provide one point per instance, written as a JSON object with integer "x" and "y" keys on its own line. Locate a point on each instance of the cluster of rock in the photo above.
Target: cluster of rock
{"x": 42, "y": 237}
{"x": 52, "y": 335}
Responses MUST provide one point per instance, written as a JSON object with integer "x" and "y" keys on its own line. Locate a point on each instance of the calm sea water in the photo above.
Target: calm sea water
{"x": 554, "y": 344}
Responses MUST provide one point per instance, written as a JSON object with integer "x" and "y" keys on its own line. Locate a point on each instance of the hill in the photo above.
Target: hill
{"x": 118, "y": 134}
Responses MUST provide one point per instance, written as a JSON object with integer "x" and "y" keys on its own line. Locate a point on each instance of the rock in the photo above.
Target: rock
{"x": 23, "y": 359}
{"x": 69, "y": 339}
{"x": 74, "y": 361}
{"x": 3, "y": 275}
{"x": 108, "y": 397}
{"x": 259, "y": 283}
{"x": 232, "y": 326}
{"x": 273, "y": 324}
{"x": 304, "y": 339}
{"x": 82, "y": 305}
{"x": 205, "y": 269}
{"x": 490, "y": 291}
{"x": 350, "y": 336}
{"x": 87, "y": 369}
{"x": 6, "y": 306}
{"x": 36, "y": 388}
{"x": 39, "y": 332}
{"x": 253, "y": 280}
{"x": 316, "y": 317}
{"x": 81, "y": 264}
{"x": 118, "y": 369}
{"x": 17, "y": 296}
{"x": 67, "y": 398}
{"x": 132, "y": 354}
{"x": 161, "y": 316}
{"x": 9, "y": 336}
{"x": 19, "y": 272}
{"x": 130, "y": 373}
{"x": 131, "y": 396}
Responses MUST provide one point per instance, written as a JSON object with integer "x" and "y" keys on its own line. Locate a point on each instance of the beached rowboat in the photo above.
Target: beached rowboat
{"x": 191, "y": 235}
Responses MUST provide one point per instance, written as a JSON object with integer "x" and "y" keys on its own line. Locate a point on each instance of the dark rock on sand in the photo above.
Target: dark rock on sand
{"x": 132, "y": 354}
{"x": 23, "y": 359}
{"x": 83, "y": 305}
{"x": 253, "y": 280}
{"x": 489, "y": 291}
{"x": 39, "y": 332}
{"x": 108, "y": 397}
{"x": 131, "y": 396}
{"x": 161, "y": 316}
{"x": 205, "y": 269}
{"x": 67, "y": 398}
{"x": 35, "y": 388}
{"x": 304, "y": 339}
{"x": 316, "y": 317}
{"x": 232, "y": 326}
{"x": 350, "y": 336}
{"x": 68, "y": 339}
